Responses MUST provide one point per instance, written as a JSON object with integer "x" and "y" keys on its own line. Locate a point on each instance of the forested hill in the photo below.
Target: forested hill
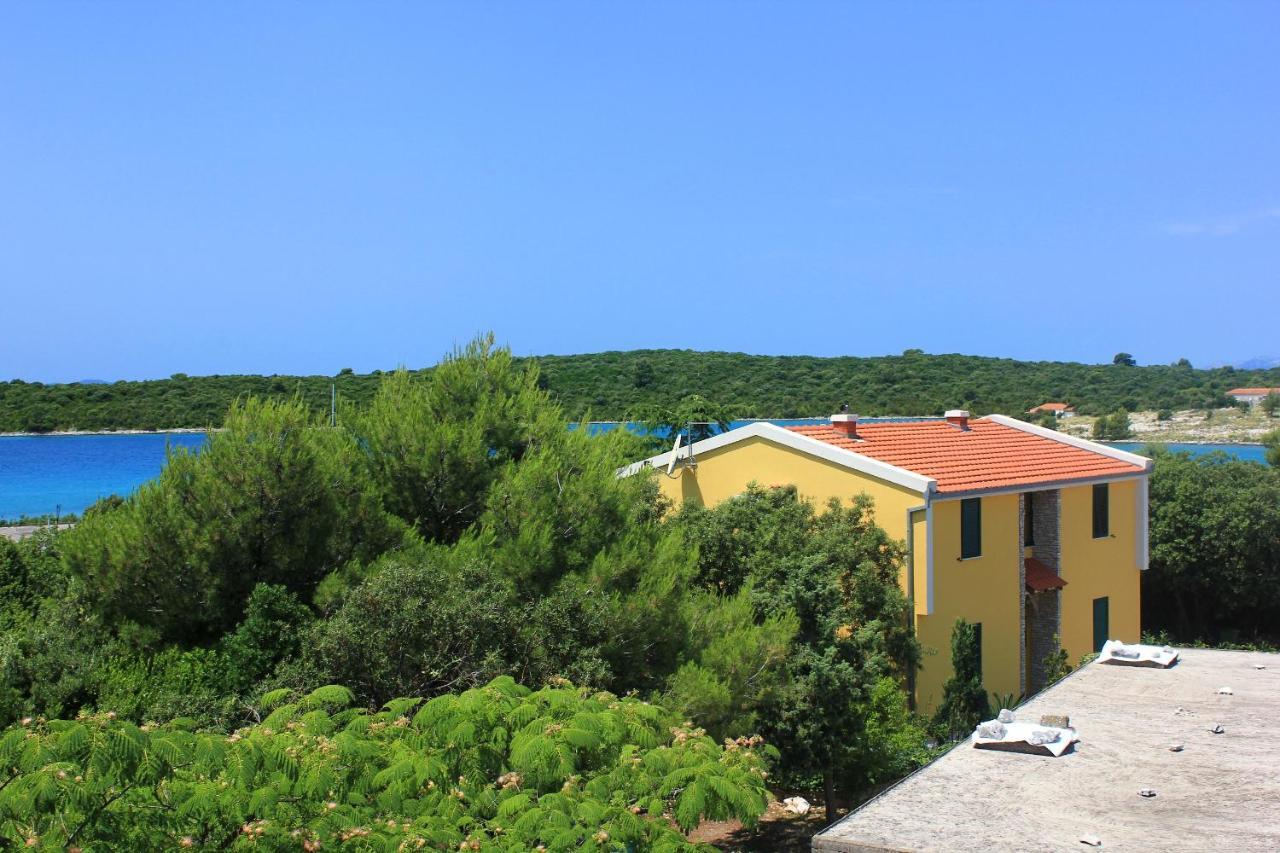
{"x": 610, "y": 385}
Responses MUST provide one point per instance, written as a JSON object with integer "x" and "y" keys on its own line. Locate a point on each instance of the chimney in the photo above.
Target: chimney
{"x": 845, "y": 424}
{"x": 958, "y": 418}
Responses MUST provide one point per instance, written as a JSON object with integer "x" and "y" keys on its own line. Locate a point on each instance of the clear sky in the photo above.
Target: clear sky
{"x": 300, "y": 187}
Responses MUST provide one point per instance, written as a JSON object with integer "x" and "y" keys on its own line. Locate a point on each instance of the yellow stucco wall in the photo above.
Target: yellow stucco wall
{"x": 1094, "y": 568}
{"x": 728, "y": 471}
{"x": 981, "y": 589}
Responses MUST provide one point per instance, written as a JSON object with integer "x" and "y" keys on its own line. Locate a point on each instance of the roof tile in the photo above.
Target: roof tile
{"x": 987, "y": 455}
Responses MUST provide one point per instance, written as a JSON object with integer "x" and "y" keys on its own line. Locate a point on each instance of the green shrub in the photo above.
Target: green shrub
{"x": 495, "y": 768}
{"x": 170, "y": 683}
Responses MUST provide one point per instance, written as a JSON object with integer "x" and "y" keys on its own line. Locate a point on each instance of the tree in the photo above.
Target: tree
{"x": 1125, "y": 359}
{"x": 273, "y": 498}
{"x": 642, "y": 375}
{"x": 1215, "y": 549}
{"x": 432, "y": 445}
{"x": 422, "y": 624}
{"x": 554, "y": 510}
{"x": 837, "y": 572}
{"x": 614, "y": 385}
{"x": 1271, "y": 441}
{"x": 1271, "y": 404}
{"x": 694, "y": 417}
{"x": 964, "y": 699}
{"x": 1113, "y": 427}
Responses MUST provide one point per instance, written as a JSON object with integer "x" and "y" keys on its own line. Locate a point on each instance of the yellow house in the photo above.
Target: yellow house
{"x": 1029, "y": 533}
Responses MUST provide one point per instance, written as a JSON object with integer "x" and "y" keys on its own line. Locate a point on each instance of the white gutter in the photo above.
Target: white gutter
{"x": 1142, "y": 537}
{"x": 928, "y": 557}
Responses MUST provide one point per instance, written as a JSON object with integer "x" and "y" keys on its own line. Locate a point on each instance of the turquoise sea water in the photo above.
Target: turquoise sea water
{"x": 49, "y": 473}
{"x": 1247, "y": 452}
{"x": 67, "y": 473}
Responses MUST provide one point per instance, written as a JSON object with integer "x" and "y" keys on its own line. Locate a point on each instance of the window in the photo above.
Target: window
{"x": 1028, "y": 519}
{"x": 1101, "y": 511}
{"x": 970, "y": 528}
{"x": 1101, "y": 622}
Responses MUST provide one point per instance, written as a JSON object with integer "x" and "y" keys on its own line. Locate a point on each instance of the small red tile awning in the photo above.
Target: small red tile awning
{"x": 1041, "y": 578}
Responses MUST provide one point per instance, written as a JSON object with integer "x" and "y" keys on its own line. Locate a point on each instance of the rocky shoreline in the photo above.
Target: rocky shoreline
{"x": 174, "y": 431}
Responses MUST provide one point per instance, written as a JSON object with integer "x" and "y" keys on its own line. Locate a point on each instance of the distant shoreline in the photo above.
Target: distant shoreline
{"x": 1181, "y": 441}
{"x": 197, "y": 430}
{"x": 54, "y": 433}
{"x": 18, "y": 532}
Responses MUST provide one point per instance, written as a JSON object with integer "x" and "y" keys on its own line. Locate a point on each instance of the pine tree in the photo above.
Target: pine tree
{"x": 964, "y": 699}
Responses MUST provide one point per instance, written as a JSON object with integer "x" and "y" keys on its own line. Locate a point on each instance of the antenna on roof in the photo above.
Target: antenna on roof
{"x": 675, "y": 456}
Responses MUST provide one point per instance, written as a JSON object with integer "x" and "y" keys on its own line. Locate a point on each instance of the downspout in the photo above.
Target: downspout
{"x": 911, "y": 583}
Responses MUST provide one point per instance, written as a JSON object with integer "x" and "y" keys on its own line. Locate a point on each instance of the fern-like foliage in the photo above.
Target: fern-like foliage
{"x": 498, "y": 767}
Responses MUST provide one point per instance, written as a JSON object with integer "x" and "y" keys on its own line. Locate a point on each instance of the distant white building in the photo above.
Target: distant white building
{"x": 1252, "y": 396}
{"x": 1060, "y": 410}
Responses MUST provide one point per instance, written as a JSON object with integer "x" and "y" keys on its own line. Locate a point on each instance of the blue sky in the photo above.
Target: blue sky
{"x": 298, "y": 188}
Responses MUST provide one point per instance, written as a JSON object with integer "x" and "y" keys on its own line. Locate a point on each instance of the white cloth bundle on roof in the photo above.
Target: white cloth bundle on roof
{"x": 1120, "y": 650}
{"x": 991, "y": 730}
{"x": 1040, "y": 737}
{"x": 1136, "y": 654}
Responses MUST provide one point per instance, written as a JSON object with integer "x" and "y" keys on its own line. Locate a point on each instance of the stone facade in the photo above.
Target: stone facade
{"x": 1042, "y": 615}
{"x": 1045, "y": 512}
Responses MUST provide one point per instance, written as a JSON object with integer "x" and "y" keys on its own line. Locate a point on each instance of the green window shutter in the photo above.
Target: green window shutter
{"x": 1101, "y": 622}
{"x": 977, "y": 641}
{"x": 1101, "y": 511}
{"x": 970, "y": 528}
{"x": 1028, "y": 516}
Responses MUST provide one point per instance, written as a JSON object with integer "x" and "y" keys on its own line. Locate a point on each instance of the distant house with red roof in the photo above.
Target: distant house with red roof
{"x": 1252, "y": 396}
{"x": 1030, "y": 533}
{"x": 1059, "y": 410}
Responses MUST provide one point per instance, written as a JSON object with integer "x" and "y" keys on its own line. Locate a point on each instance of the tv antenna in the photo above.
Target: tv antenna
{"x": 676, "y": 462}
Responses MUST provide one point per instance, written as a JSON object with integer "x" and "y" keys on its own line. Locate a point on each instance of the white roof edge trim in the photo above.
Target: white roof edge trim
{"x": 813, "y": 447}
{"x": 1082, "y": 443}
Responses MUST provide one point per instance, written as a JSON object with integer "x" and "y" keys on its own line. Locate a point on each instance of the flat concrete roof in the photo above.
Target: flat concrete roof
{"x": 1222, "y": 792}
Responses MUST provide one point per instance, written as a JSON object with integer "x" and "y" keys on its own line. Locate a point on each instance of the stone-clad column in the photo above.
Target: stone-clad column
{"x": 1045, "y": 608}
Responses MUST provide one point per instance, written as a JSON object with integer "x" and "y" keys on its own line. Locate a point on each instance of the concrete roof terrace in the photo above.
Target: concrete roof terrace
{"x": 1222, "y": 792}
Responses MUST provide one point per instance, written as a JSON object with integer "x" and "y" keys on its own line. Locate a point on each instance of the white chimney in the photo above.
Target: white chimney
{"x": 845, "y": 424}
{"x": 958, "y": 418}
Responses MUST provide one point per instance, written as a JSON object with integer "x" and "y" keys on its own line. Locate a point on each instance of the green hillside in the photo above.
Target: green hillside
{"x": 610, "y": 385}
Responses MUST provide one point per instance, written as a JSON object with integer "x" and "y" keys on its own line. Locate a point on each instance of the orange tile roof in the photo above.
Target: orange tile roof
{"x": 1041, "y": 578}
{"x": 1051, "y": 407}
{"x": 988, "y": 455}
{"x": 1262, "y": 391}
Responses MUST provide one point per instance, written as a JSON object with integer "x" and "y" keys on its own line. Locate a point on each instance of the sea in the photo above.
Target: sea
{"x": 60, "y": 474}
{"x": 48, "y": 474}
